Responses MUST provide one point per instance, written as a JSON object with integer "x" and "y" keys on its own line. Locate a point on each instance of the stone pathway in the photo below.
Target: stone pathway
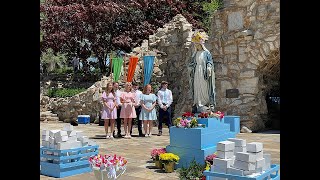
{"x": 137, "y": 150}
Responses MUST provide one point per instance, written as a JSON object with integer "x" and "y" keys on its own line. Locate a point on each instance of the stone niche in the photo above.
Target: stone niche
{"x": 245, "y": 41}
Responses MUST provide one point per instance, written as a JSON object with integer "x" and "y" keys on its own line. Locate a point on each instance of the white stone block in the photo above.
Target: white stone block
{"x": 247, "y": 166}
{"x": 218, "y": 169}
{"x": 238, "y": 142}
{"x": 72, "y": 138}
{"x": 259, "y": 170}
{"x": 53, "y": 132}
{"x": 69, "y": 145}
{"x": 45, "y": 137}
{"x": 240, "y": 149}
{"x": 239, "y": 172}
{"x": 83, "y": 139}
{"x": 246, "y": 157}
{"x": 43, "y": 159}
{"x": 257, "y": 155}
{"x": 68, "y": 127}
{"x": 45, "y": 133}
{"x": 72, "y": 133}
{"x": 79, "y": 134}
{"x": 60, "y": 134}
{"x": 267, "y": 164}
{"x": 61, "y": 139}
{"x": 225, "y": 154}
{"x": 223, "y": 163}
{"x": 51, "y": 145}
{"x": 225, "y": 146}
{"x": 45, "y": 143}
{"x": 51, "y": 140}
{"x": 254, "y": 147}
{"x": 260, "y": 163}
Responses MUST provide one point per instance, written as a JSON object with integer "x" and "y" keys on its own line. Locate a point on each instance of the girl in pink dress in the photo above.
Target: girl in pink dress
{"x": 128, "y": 111}
{"x": 109, "y": 109}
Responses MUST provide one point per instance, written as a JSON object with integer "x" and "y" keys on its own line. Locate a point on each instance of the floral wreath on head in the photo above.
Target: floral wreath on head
{"x": 198, "y": 37}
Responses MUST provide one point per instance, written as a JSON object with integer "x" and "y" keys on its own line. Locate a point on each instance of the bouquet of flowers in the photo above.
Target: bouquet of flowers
{"x": 109, "y": 164}
{"x": 155, "y": 153}
{"x": 169, "y": 157}
{"x": 185, "y": 123}
{"x": 210, "y": 158}
{"x": 203, "y": 115}
{"x": 187, "y": 115}
{"x": 218, "y": 114}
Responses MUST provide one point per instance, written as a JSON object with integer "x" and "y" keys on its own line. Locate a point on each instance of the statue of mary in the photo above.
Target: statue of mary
{"x": 202, "y": 76}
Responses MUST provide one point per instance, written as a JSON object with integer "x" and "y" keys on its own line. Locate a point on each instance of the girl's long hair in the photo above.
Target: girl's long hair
{"x": 108, "y": 91}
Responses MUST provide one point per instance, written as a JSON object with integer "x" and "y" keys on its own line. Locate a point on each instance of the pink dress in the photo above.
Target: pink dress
{"x": 106, "y": 113}
{"x": 128, "y": 109}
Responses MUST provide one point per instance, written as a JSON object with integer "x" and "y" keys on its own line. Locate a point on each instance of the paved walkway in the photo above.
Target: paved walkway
{"x": 137, "y": 150}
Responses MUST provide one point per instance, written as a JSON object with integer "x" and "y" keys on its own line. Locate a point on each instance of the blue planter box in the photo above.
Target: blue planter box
{"x": 66, "y": 162}
{"x": 272, "y": 173}
{"x": 234, "y": 122}
{"x": 83, "y": 119}
{"x": 197, "y": 143}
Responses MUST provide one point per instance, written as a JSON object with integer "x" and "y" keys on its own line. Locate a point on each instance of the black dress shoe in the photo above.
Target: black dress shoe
{"x": 142, "y": 135}
{"x": 159, "y": 134}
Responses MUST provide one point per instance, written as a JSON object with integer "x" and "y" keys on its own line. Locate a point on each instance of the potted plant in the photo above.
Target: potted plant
{"x": 107, "y": 166}
{"x": 169, "y": 160}
{"x": 185, "y": 123}
{"x": 155, "y": 153}
{"x": 194, "y": 171}
{"x": 210, "y": 158}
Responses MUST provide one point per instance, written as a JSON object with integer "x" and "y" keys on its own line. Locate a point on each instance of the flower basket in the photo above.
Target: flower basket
{"x": 107, "y": 167}
{"x": 158, "y": 164}
{"x": 169, "y": 160}
{"x": 169, "y": 167}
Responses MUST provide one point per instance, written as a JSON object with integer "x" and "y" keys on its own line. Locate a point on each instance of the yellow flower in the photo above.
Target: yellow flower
{"x": 169, "y": 157}
{"x": 208, "y": 167}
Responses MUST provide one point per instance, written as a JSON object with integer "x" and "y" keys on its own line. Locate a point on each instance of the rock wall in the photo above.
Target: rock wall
{"x": 244, "y": 40}
{"x": 85, "y": 103}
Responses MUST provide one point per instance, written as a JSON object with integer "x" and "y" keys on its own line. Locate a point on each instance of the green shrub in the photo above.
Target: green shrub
{"x": 63, "y": 70}
{"x": 194, "y": 171}
{"x": 64, "y": 92}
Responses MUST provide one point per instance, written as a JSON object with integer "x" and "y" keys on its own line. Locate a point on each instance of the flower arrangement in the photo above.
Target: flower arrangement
{"x": 155, "y": 153}
{"x": 109, "y": 163}
{"x": 169, "y": 157}
{"x": 211, "y": 114}
{"x": 210, "y": 158}
{"x": 185, "y": 123}
{"x": 188, "y": 115}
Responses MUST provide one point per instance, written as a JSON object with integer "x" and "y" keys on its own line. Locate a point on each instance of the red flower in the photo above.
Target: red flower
{"x": 187, "y": 114}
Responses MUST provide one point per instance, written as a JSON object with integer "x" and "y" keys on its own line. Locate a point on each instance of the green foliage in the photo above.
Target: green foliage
{"x": 51, "y": 60}
{"x": 63, "y": 70}
{"x": 64, "y": 92}
{"x": 195, "y": 170}
{"x": 209, "y": 8}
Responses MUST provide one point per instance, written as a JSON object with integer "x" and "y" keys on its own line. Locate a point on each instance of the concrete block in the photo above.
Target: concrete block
{"x": 72, "y": 133}
{"x": 239, "y": 172}
{"x": 225, "y": 146}
{"x": 218, "y": 169}
{"x": 246, "y": 157}
{"x": 68, "y": 145}
{"x": 260, "y": 163}
{"x": 45, "y": 137}
{"x": 45, "y": 143}
{"x": 51, "y": 140}
{"x": 240, "y": 149}
{"x": 45, "y": 133}
{"x": 254, "y": 147}
{"x": 238, "y": 142}
{"x": 61, "y": 139}
{"x": 247, "y": 166}
{"x": 267, "y": 164}
{"x": 72, "y": 138}
{"x": 53, "y": 132}
{"x": 60, "y": 134}
{"x": 223, "y": 163}
{"x": 257, "y": 155}
{"x": 225, "y": 154}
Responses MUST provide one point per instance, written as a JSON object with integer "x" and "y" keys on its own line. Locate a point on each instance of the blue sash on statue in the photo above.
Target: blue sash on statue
{"x": 148, "y": 69}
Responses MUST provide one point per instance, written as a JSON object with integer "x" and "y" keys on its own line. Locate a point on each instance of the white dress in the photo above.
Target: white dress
{"x": 201, "y": 95}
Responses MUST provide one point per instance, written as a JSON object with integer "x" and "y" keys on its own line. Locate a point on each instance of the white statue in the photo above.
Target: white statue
{"x": 202, "y": 76}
